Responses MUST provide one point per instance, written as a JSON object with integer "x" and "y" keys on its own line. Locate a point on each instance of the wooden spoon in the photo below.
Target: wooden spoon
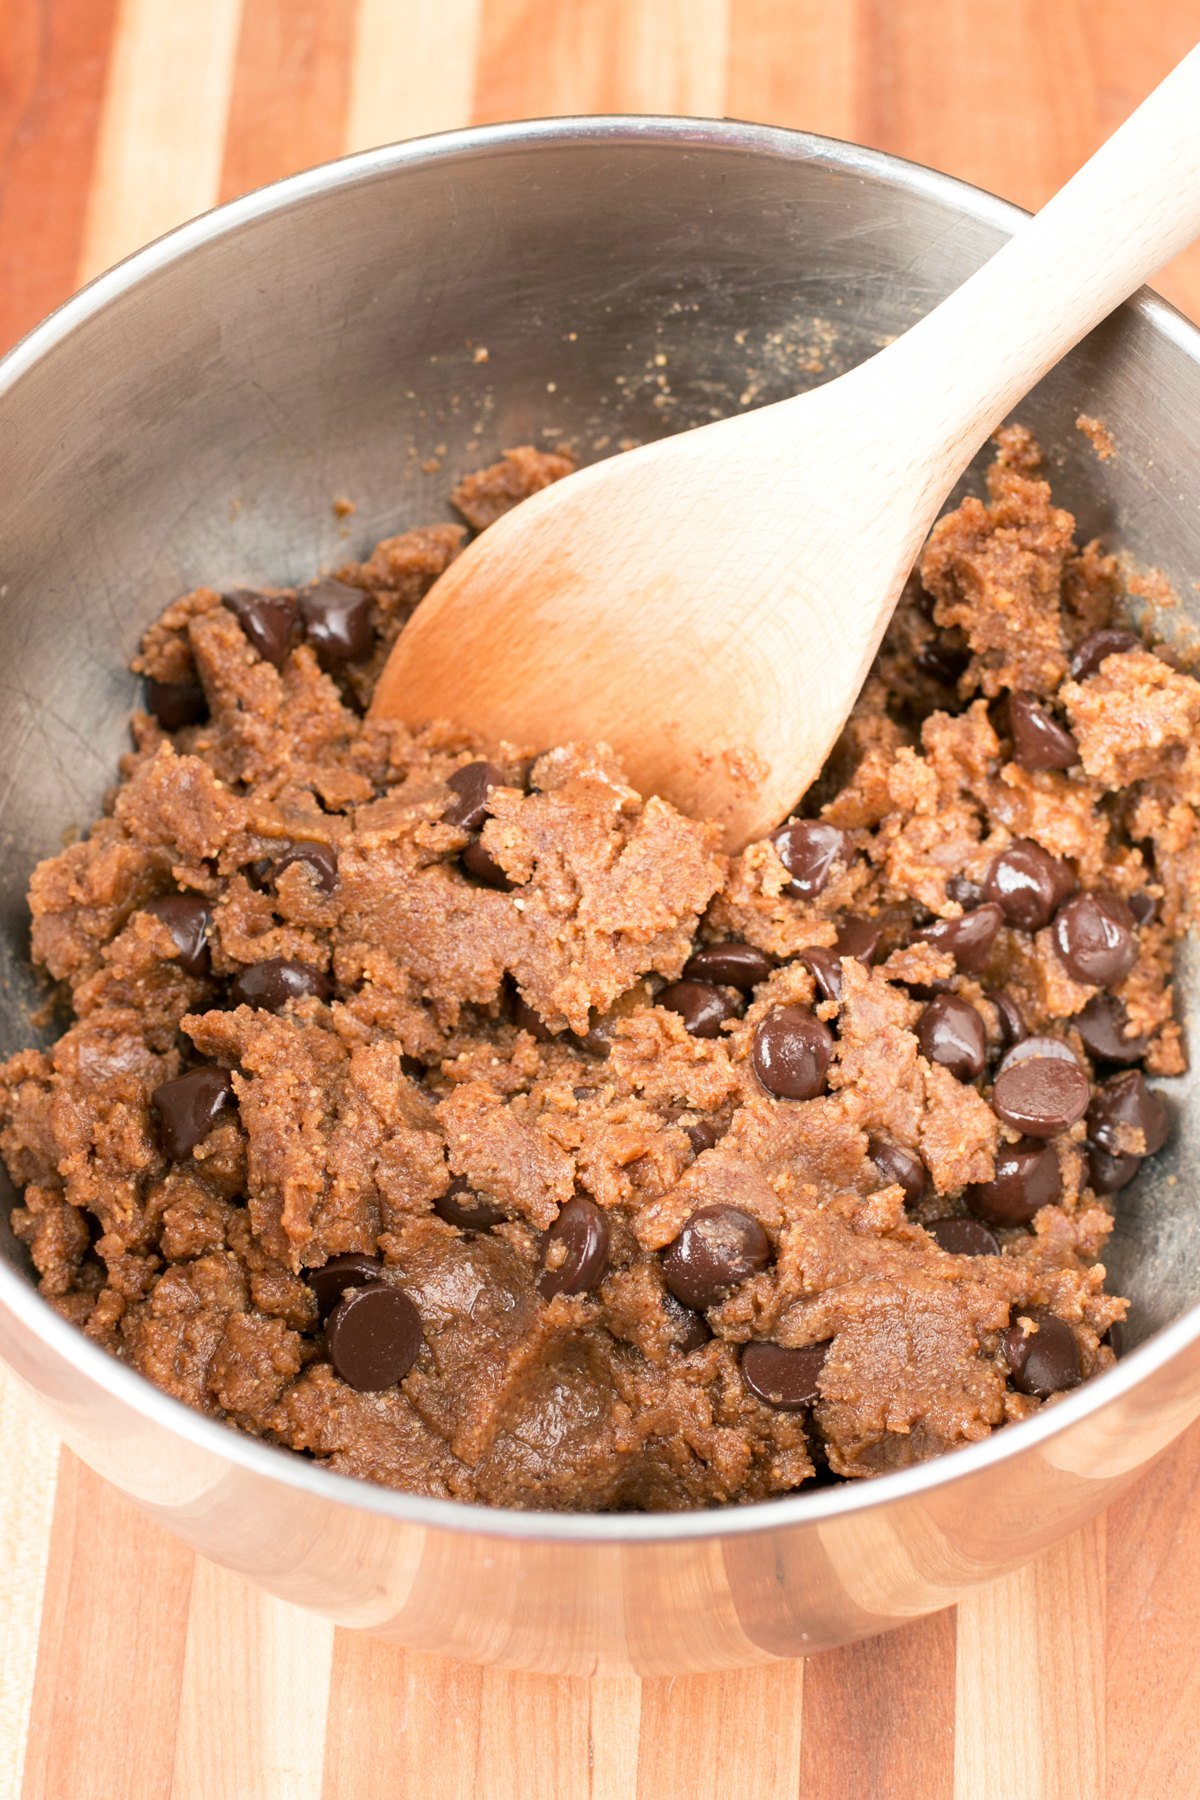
{"x": 709, "y": 605}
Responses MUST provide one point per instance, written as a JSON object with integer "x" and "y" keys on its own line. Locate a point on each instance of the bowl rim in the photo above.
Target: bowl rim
{"x": 21, "y": 1299}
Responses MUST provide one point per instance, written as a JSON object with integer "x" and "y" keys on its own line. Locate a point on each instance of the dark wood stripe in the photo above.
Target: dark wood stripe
{"x": 53, "y": 62}
{"x": 722, "y": 1737}
{"x": 291, "y": 89}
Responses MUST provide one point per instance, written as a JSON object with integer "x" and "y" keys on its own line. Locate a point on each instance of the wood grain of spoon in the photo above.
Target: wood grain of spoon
{"x": 710, "y": 604}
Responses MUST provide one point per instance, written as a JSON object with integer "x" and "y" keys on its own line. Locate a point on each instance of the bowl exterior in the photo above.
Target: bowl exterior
{"x": 370, "y": 329}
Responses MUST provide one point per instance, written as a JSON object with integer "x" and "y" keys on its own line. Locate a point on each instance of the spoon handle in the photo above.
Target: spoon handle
{"x": 1127, "y": 211}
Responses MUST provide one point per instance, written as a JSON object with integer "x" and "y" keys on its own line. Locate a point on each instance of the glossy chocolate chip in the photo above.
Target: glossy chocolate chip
{"x": 1038, "y": 740}
{"x": 176, "y": 703}
{"x": 702, "y": 1007}
{"x": 969, "y": 939}
{"x": 1087, "y": 656}
{"x": 898, "y": 1165}
{"x": 719, "y": 1247}
{"x": 1028, "y": 884}
{"x": 825, "y": 967}
{"x": 373, "y": 1336}
{"x": 189, "y": 1106}
{"x": 730, "y": 965}
{"x": 1041, "y": 1095}
{"x": 271, "y": 984}
{"x": 1095, "y": 935}
{"x": 1027, "y": 1178}
{"x": 944, "y": 656}
{"x": 687, "y": 1328}
{"x": 331, "y": 1280}
{"x": 859, "y": 938}
{"x": 1044, "y": 1360}
{"x": 268, "y": 620}
{"x": 1144, "y": 907}
{"x": 703, "y": 1135}
{"x": 1009, "y": 1017}
{"x": 1104, "y": 1027}
{"x": 810, "y": 850}
{"x": 337, "y": 622}
{"x": 1108, "y": 1174}
{"x": 791, "y": 1053}
{"x": 963, "y": 1237}
{"x": 471, "y": 787}
{"x": 320, "y": 859}
{"x": 576, "y": 1249}
{"x": 1123, "y": 1105}
{"x": 786, "y": 1379}
{"x": 951, "y": 1032}
{"x": 482, "y": 866}
{"x": 188, "y": 918}
{"x": 460, "y": 1205}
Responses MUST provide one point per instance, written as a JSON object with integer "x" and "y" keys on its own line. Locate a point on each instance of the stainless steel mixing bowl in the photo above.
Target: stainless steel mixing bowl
{"x": 191, "y": 416}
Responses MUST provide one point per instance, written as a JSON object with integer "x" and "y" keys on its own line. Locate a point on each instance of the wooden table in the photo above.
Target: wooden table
{"x": 127, "y": 1666}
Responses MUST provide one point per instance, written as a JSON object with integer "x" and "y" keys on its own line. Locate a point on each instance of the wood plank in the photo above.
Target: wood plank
{"x": 879, "y": 1716}
{"x": 262, "y": 1670}
{"x": 26, "y": 1517}
{"x": 413, "y": 69}
{"x": 712, "y": 1736}
{"x": 111, "y": 1651}
{"x": 796, "y": 63}
{"x": 401, "y": 1725}
{"x": 53, "y": 66}
{"x": 291, "y": 90}
{"x": 159, "y": 157}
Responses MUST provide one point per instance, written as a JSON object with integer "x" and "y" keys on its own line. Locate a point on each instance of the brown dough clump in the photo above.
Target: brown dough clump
{"x": 487, "y": 1034}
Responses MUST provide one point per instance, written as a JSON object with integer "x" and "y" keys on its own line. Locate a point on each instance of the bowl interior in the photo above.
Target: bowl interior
{"x": 371, "y": 332}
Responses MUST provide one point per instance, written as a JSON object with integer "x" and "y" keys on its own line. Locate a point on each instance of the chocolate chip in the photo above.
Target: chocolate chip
{"x": 944, "y": 656}
{"x": 951, "y": 1032}
{"x": 1041, "y": 1095}
{"x": 1144, "y": 907}
{"x": 374, "y": 1337}
{"x": 1087, "y": 656}
{"x": 719, "y": 1247}
{"x": 1027, "y": 1178}
{"x": 271, "y": 984}
{"x": 966, "y": 892}
{"x": 337, "y": 622}
{"x": 331, "y": 1280}
{"x": 963, "y": 1237}
{"x": 791, "y": 1053}
{"x": 189, "y": 1106}
{"x": 898, "y": 1165}
{"x": 702, "y": 1008}
{"x": 1124, "y": 1105}
{"x": 460, "y": 1205}
{"x": 1010, "y": 1019}
{"x": 472, "y": 786}
{"x": 1095, "y": 935}
{"x": 859, "y": 938}
{"x": 176, "y": 703}
{"x": 268, "y": 620}
{"x": 969, "y": 940}
{"x": 703, "y": 1135}
{"x": 688, "y": 1328}
{"x": 580, "y": 1236}
{"x": 1044, "y": 1360}
{"x": 809, "y": 849}
{"x": 188, "y": 918}
{"x": 825, "y": 967}
{"x": 1039, "y": 741}
{"x": 479, "y": 863}
{"x": 730, "y": 965}
{"x": 525, "y": 1019}
{"x": 1108, "y": 1174}
{"x": 783, "y": 1378}
{"x": 1028, "y": 884}
{"x": 1104, "y": 1027}
{"x": 320, "y": 859}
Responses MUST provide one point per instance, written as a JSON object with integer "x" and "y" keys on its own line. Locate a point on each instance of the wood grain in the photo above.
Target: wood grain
{"x": 127, "y": 1669}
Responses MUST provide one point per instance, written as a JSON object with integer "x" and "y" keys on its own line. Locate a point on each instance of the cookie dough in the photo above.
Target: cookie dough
{"x": 471, "y": 1125}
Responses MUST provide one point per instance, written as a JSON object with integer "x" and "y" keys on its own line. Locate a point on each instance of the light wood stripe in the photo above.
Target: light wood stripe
{"x": 163, "y": 130}
{"x": 702, "y": 1735}
{"x": 892, "y": 1698}
{"x": 53, "y": 63}
{"x": 26, "y": 1516}
{"x": 814, "y": 89}
{"x": 413, "y": 69}
{"x": 291, "y": 90}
